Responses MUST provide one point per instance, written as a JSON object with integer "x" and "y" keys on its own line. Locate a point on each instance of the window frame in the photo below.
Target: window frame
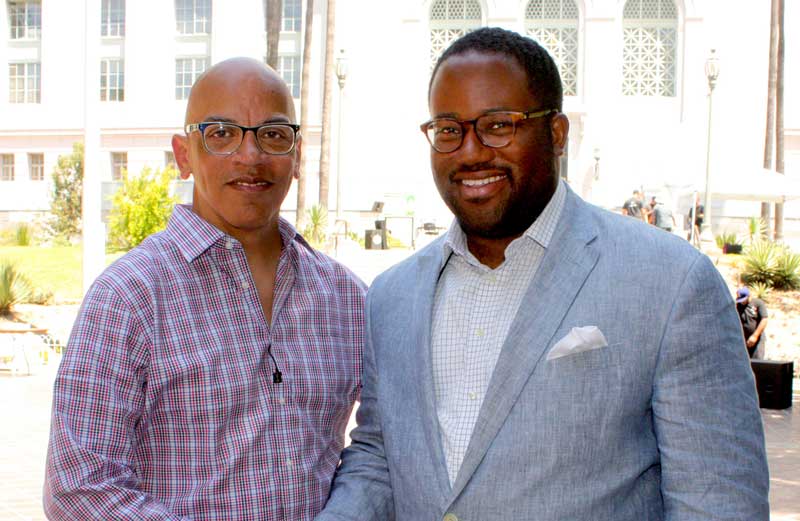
{"x": 119, "y": 162}
{"x": 31, "y": 89}
{"x": 24, "y": 30}
{"x": 533, "y": 28}
{"x": 112, "y": 91}
{"x": 183, "y": 93}
{"x": 111, "y": 27}
{"x": 200, "y": 15}
{"x": 36, "y": 168}
{"x": 6, "y": 167}
{"x": 631, "y": 75}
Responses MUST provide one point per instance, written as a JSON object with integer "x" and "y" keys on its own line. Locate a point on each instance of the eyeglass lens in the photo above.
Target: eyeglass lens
{"x": 494, "y": 130}
{"x": 223, "y": 138}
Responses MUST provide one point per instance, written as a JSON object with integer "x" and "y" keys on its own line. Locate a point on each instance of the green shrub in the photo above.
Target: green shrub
{"x": 786, "y": 273}
{"x": 14, "y": 287}
{"x": 314, "y": 232}
{"x": 771, "y": 264}
{"x": 726, "y": 238}
{"x": 759, "y": 262}
{"x": 23, "y": 234}
{"x": 756, "y": 228}
{"x": 141, "y": 207}
{"x": 760, "y": 290}
{"x": 67, "y": 196}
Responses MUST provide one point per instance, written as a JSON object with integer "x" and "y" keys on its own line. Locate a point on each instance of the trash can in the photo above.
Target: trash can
{"x": 375, "y": 240}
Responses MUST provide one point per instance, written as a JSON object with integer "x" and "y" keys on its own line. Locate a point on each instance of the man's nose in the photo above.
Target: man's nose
{"x": 249, "y": 150}
{"x": 472, "y": 147}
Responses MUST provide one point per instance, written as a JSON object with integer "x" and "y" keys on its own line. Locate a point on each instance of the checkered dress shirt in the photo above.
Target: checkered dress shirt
{"x": 164, "y": 404}
{"x": 473, "y": 309}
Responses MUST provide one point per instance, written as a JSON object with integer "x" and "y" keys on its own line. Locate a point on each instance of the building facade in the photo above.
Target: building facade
{"x": 633, "y": 71}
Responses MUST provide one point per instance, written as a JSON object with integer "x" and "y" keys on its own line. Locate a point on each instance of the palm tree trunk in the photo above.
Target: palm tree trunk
{"x": 769, "y": 143}
{"x": 327, "y": 105}
{"x": 304, "y": 111}
{"x": 779, "y": 166}
{"x": 274, "y": 19}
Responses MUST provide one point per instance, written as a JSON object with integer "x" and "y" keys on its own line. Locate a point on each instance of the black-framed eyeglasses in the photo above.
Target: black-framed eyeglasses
{"x": 223, "y": 138}
{"x": 495, "y": 129}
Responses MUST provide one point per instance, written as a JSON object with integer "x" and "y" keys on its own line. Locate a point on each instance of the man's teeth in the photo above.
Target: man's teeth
{"x": 258, "y": 183}
{"x": 481, "y": 182}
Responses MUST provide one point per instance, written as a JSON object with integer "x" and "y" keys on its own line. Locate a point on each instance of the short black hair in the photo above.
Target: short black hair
{"x": 544, "y": 81}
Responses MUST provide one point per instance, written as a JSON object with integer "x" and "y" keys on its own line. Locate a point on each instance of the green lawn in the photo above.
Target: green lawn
{"x": 56, "y": 269}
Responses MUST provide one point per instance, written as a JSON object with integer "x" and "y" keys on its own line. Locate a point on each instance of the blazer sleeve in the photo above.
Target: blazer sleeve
{"x": 706, "y": 415}
{"x": 361, "y": 488}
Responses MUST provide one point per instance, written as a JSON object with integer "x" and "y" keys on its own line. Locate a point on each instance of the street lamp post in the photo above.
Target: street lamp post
{"x": 596, "y": 153}
{"x": 712, "y": 73}
{"x": 341, "y": 74}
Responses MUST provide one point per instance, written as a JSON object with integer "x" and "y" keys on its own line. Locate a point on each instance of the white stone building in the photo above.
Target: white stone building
{"x": 633, "y": 72}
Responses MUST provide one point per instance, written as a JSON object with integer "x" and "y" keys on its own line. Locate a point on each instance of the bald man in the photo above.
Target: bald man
{"x": 211, "y": 370}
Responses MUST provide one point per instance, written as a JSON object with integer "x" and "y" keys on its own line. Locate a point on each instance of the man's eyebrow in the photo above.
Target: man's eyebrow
{"x": 222, "y": 119}
{"x": 454, "y": 115}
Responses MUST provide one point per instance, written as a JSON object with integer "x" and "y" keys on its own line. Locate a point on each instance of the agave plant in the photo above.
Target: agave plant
{"x": 759, "y": 262}
{"x": 760, "y": 290}
{"x": 786, "y": 273}
{"x": 317, "y": 218}
{"x": 756, "y": 228}
{"x": 14, "y": 287}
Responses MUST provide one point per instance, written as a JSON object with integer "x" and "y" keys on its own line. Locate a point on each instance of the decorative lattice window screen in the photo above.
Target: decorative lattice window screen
{"x": 449, "y": 20}
{"x": 554, "y": 24}
{"x": 650, "y": 39}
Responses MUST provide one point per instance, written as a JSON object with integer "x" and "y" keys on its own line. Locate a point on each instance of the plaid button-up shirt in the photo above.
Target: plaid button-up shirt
{"x": 165, "y": 406}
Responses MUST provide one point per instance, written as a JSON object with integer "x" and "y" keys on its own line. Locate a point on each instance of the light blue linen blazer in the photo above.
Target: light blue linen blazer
{"x": 661, "y": 424}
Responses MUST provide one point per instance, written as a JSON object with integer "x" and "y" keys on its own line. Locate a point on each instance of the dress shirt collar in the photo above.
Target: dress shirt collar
{"x": 194, "y": 235}
{"x": 540, "y": 231}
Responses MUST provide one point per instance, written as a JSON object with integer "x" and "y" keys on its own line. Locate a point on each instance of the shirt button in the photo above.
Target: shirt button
{"x": 282, "y": 400}
{"x": 450, "y": 517}
{"x": 472, "y": 396}
{"x": 479, "y": 332}
{"x": 229, "y": 244}
{"x": 289, "y": 463}
{"x": 245, "y": 285}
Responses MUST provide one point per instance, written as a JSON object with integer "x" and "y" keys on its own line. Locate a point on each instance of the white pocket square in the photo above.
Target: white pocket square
{"x": 579, "y": 339}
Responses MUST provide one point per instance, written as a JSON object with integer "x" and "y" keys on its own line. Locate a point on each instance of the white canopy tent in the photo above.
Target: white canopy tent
{"x": 765, "y": 186}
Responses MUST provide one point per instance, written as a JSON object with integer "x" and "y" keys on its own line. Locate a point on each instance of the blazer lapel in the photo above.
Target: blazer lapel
{"x": 567, "y": 263}
{"x": 427, "y": 278}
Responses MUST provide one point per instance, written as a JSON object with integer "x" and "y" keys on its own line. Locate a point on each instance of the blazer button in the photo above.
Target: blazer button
{"x": 450, "y": 517}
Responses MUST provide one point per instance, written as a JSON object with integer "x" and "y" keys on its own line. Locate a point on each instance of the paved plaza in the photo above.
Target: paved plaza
{"x": 25, "y": 420}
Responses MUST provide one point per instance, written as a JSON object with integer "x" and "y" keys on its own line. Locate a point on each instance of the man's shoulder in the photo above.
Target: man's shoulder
{"x": 405, "y": 273}
{"x": 142, "y": 265}
{"x": 324, "y": 267}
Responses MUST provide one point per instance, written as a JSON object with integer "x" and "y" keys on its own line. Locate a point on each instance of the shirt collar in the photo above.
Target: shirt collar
{"x": 540, "y": 231}
{"x": 194, "y": 235}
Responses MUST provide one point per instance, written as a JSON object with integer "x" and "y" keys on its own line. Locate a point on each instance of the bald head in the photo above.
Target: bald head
{"x": 233, "y": 76}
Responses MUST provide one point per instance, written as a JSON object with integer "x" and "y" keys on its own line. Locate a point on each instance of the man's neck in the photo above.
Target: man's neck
{"x": 489, "y": 252}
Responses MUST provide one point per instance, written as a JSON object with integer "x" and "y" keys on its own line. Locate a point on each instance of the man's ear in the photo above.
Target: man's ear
{"x": 298, "y": 152}
{"x": 559, "y": 131}
{"x": 180, "y": 149}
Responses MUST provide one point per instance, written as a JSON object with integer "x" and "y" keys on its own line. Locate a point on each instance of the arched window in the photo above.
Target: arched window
{"x": 650, "y": 32}
{"x": 449, "y": 20}
{"x": 554, "y": 24}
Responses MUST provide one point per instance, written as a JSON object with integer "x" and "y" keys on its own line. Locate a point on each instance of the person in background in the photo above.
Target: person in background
{"x": 662, "y": 216}
{"x": 753, "y": 316}
{"x": 520, "y": 366}
{"x": 211, "y": 370}
{"x": 635, "y": 207}
{"x": 697, "y": 213}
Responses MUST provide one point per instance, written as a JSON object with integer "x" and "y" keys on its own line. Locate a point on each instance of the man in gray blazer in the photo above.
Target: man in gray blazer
{"x": 522, "y": 367}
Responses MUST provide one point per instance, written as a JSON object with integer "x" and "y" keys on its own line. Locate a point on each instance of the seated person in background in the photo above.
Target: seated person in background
{"x": 753, "y": 315}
